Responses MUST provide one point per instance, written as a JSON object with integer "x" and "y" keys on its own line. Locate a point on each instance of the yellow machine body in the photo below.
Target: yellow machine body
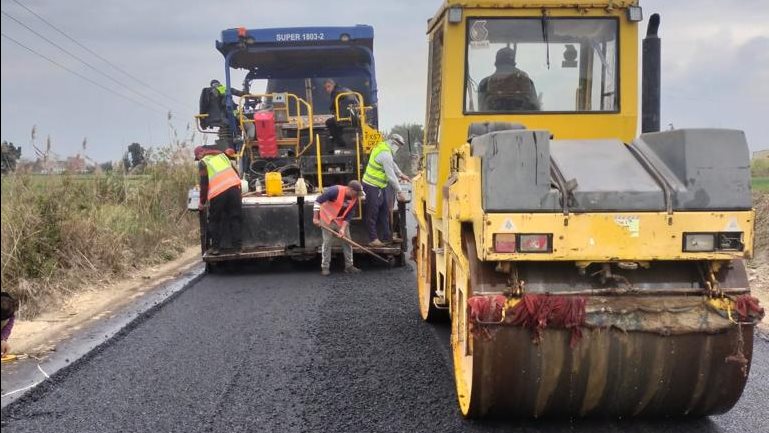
{"x": 640, "y": 288}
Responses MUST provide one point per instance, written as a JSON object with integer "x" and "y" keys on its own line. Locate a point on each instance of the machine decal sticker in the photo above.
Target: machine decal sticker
{"x": 631, "y": 223}
{"x": 479, "y": 35}
{"x": 732, "y": 226}
{"x": 508, "y": 225}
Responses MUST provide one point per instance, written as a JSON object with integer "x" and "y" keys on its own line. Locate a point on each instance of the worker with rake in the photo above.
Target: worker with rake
{"x": 332, "y": 210}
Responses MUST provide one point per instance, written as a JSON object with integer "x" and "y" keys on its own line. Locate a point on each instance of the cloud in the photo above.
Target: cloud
{"x": 714, "y": 51}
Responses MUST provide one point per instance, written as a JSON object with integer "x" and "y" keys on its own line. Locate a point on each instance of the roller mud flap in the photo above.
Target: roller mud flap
{"x": 604, "y": 356}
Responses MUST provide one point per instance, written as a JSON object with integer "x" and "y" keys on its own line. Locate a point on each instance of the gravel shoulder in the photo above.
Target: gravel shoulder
{"x": 39, "y": 336}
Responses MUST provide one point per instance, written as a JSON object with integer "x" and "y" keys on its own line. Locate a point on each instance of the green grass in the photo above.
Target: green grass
{"x": 63, "y": 232}
{"x": 761, "y": 184}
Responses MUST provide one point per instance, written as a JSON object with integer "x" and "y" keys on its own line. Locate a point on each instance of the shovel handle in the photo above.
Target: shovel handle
{"x": 355, "y": 244}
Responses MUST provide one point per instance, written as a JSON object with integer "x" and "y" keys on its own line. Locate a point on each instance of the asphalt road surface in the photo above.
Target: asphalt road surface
{"x": 279, "y": 348}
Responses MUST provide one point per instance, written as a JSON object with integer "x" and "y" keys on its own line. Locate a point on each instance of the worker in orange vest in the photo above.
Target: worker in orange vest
{"x": 220, "y": 194}
{"x": 332, "y": 209}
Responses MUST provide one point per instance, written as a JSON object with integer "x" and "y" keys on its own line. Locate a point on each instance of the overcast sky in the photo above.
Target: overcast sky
{"x": 715, "y": 63}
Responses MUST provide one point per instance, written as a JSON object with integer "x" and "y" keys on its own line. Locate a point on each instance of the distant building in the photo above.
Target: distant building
{"x": 761, "y": 154}
{"x": 75, "y": 164}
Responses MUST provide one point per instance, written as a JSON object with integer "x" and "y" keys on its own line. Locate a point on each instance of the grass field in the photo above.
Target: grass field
{"x": 62, "y": 232}
{"x": 761, "y": 184}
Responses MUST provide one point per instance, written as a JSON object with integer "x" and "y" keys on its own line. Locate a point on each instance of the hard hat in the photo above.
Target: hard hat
{"x": 397, "y": 139}
{"x": 215, "y": 83}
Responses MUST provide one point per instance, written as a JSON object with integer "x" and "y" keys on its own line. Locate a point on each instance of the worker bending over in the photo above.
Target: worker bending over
{"x": 332, "y": 209}
{"x": 381, "y": 171}
{"x": 220, "y": 194}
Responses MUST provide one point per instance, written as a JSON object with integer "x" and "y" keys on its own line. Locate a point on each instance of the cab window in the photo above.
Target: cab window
{"x": 541, "y": 65}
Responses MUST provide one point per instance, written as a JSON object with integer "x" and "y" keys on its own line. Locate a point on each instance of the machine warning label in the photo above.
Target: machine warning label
{"x": 631, "y": 223}
{"x": 732, "y": 226}
{"x": 508, "y": 226}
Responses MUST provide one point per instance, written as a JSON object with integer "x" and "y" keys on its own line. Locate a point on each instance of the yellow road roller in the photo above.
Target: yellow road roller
{"x": 586, "y": 270}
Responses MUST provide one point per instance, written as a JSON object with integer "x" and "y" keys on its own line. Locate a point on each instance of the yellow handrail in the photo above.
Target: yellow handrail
{"x": 198, "y": 118}
{"x": 320, "y": 173}
{"x": 357, "y": 167}
{"x": 370, "y": 135}
{"x": 296, "y": 118}
{"x": 361, "y": 106}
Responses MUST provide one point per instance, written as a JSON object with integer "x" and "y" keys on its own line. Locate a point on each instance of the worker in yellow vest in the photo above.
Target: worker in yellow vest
{"x": 220, "y": 195}
{"x": 381, "y": 172}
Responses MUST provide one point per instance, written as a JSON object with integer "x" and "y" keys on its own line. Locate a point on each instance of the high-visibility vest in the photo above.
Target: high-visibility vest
{"x": 222, "y": 90}
{"x": 375, "y": 174}
{"x": 221, "y": 175}
{"x": 330, "y": 210}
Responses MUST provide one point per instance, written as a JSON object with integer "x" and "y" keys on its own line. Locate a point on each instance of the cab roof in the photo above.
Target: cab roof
{"x": 300, "y": 52}
{"x": 527, "y": 4}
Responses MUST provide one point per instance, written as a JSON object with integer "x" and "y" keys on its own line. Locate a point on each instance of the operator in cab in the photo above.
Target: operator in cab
{"x": 333, "y": 89}
{"x": 508, "y": 88}
{"x": 333, "y": 210}
{"x": 381, "y": 172}
{"x": 220, "y": 194}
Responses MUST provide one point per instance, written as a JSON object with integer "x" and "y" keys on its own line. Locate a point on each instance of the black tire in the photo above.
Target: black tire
{"x": 426, "y": 284}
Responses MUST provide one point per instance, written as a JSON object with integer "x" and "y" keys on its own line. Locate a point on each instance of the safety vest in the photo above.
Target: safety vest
{"x": 330, "y": 210}
{"x": 221, "y": 89}
{"x": 221, "y": 175}
{"x": 375, "y": 174}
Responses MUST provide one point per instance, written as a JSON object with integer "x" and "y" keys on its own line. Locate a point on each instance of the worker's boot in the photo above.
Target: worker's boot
{"x": 213, "y": 251}
{"x": 325, "y": 272}
{"x": 351, "y": 270}
{"x": 376, "y": 243}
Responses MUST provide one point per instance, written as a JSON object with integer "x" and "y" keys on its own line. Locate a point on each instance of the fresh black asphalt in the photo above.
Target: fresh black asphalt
{"x": 279, "y": 348}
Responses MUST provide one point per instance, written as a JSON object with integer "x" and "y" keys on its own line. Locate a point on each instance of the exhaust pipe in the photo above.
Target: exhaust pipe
{"x": 651, "y": 77}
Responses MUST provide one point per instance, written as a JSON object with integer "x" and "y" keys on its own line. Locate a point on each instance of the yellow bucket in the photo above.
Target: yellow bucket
{"x": 273, "y": 184}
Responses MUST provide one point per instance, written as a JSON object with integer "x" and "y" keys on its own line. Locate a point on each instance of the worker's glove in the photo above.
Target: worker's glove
{"x": 404, "y": 177}
{"x": 203, "y": 206}
{"x": 5, "y": 347}
{"x": 341, "y": 231}
{"x": 316, "y": 221}
{"x": 401, "y": 196}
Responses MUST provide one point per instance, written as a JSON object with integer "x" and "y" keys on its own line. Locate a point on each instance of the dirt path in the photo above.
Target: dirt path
{"x": 41, "y": 335}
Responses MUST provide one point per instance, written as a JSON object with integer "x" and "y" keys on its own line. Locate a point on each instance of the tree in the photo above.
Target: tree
{"x": 138, "y": 154}
{"x": 106, "y": 167}
{"x": 9, "y": 155}
{"x": 135, "y": 158}
{"x": 405, "y": 158}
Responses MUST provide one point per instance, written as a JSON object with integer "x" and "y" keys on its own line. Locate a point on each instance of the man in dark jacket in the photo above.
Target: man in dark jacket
{"x": 508, "y": 88}
{"x": 333, "y": 89}
{"x": 214, "y": 103}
